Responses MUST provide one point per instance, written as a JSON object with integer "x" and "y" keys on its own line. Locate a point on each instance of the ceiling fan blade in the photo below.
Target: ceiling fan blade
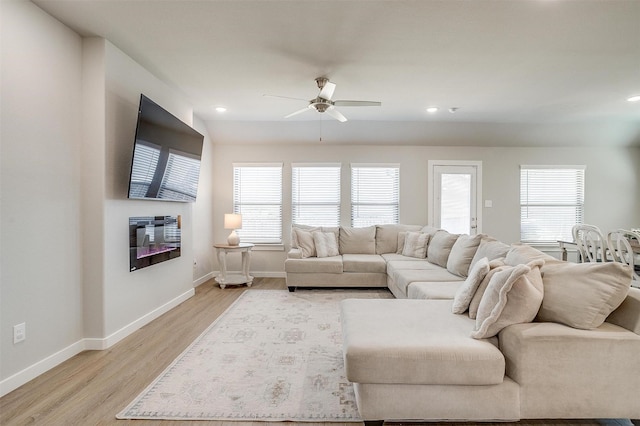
{"x": 284, "y": 97}
{"x": 327, "y": 90}
{"x": 336, "y": 114}
{"x": 305, "y": 109}
{"x": 357, "y": 103}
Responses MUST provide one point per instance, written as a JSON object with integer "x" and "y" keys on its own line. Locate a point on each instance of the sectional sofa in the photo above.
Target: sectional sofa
{"x": 479, "y": 330}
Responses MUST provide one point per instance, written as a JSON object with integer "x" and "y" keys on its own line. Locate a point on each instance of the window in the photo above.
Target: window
{"x": 257, "y": 195}
{"x": 551, "y": 202}
{"x": 315, "y": 194}
{"x": 375, "y": 194}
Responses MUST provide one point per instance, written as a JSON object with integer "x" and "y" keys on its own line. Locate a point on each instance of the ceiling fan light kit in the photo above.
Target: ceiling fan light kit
{"x": 323, "y": 101}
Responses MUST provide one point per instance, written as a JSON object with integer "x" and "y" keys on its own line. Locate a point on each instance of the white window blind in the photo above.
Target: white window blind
{"x": 375, "y": 194}
{"x": 315, "y": 194}
{"x": 143, "y": 168}
{"x": 180, "y": 180}
{"x": 257, "y": 196}
{"x": 551, "y": 202}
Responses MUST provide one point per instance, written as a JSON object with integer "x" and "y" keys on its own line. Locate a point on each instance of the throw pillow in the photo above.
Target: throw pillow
{"x": 401, "y": 238}
{"x": 465, "y": 292}
{"x": 305, "y": 243}
{"x": 326, "y": 244}
{"x": 491, "y": 249}
{"x": 462, "y": 253}
{"x": 495, "y": 266}
{"x": 415, "y": 245}
{"x": 582, "y": 295}
{"x": 513, "y": 296}
{"x": 440, "y": 247}
{"x": 294, "y": 236}
{"x": 387, "y": 237}
{"x": 358, "y": 240}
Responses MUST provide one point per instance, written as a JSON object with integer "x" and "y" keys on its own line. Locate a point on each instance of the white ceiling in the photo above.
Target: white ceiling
{"x": 521, "y": 72}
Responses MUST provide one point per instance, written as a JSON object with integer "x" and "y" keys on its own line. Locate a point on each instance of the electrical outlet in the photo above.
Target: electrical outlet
{"x": 19, "y": 332}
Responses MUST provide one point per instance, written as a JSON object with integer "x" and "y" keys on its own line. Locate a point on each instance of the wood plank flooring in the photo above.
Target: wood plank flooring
{"x": 92, "y": 387}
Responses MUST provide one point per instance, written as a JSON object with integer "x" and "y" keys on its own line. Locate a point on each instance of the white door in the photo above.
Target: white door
{"x": 454, "y": 196}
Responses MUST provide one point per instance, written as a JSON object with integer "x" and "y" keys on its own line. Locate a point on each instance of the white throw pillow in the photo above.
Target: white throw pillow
{"x": 415, "y": 245}
{"x": 465, "y": 292}
{"x": 440, "y": 247}
{"x": 462, "y": 253}
{"x": 305, "y": 243}
{"x": 582, "y": 295}
{"x": 294, "y": 234}
{"x": 513, "y": 296}
{"x": 495, "y": 266}
{"x": 326, "y": 244}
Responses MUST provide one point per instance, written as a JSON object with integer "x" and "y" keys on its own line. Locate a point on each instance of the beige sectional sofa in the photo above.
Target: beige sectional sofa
{"x": 532, "y": 337}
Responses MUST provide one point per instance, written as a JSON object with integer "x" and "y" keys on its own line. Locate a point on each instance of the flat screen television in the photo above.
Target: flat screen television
{"x": 166, "y": 156}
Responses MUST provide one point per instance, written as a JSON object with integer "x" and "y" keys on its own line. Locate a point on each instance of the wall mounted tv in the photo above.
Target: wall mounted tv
{"x": 166, "y": 156}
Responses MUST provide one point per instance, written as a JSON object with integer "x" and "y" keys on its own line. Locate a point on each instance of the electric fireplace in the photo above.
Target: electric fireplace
{"x": 153, "y": 239}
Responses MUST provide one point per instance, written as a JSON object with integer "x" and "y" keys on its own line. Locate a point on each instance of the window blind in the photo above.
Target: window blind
{"x": 180, "y": 180}
{"x": 551, "y": 202}
{"x": 142, "y": 171}
{"x": 375, "y": 194}
{"x": 257, "y": 196}
{"x": 315, "y": 194}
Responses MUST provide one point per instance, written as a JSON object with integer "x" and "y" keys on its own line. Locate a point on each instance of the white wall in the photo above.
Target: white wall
{"x": 41, "y": 254}
{"x": 69, "y": 109}
{"x": 612, "y": 176}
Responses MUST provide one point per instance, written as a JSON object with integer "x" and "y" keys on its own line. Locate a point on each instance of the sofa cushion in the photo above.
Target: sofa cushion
{"x": 314, "y": 265}
{"x": 403, "y": 277}
{"x": 294, "y": 235}
{"x": 440, "y": 246}
{"x": 396, "y": 257}
{"x": 495, "y": 266}
{"x": 396, "y": 265}
{"x": 582, "y": 295}
{"x": 435, "y": 290}
{"x": 415, "y": 245}
{"x": 513, "y": 296}
{"x": 520, "y": 254}
{"x": 358, "y": 240}
{"x": 305, "y": 243}
{"x": 415, "y": 342}
{"x": 465, "y": 292}
{"x": 387, "y": 236}
{"x": 491, "y": 249}
{"x": 462, "y": 253}
{"x": 326, "y": 244}
{"x": 363, "y": 263}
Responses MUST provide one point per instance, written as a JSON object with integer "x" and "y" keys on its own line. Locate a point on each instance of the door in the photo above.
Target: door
{"x": 454, "y": 196}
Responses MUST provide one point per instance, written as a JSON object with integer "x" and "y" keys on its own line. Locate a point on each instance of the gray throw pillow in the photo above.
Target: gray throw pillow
{"x": 440, "y": 246}
{"x": 462, "y": 253}
{"x": 465, "y": 292}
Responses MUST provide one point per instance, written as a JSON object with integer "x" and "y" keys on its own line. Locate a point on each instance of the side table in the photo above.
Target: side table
{"x": 225, "y": 278}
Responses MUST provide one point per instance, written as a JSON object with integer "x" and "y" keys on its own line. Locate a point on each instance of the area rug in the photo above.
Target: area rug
{"x": 272, "y": 356}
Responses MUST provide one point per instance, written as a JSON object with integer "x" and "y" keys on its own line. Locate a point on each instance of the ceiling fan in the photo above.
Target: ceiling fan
{"x": 324, "y": 103}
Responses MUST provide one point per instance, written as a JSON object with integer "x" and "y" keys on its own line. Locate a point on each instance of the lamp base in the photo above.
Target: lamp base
{"x": 233, "y": 239}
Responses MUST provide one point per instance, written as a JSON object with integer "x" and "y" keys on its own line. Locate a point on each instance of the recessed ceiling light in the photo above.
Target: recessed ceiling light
{"x": 220, "y": 109}
{"x": 634, "y": 98}
{"x": 453, "y": 109}
{"x": 432, "y": 109}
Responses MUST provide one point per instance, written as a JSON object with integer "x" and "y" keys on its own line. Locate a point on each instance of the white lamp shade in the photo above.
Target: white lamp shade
{"x": 232, "y": 221}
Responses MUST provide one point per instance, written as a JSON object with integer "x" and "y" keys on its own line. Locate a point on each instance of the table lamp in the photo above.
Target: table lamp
{"x": 233, "y": 221}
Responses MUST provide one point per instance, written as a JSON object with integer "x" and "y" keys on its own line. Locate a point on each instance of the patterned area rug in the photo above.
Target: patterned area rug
{"x": 272, "y": 356}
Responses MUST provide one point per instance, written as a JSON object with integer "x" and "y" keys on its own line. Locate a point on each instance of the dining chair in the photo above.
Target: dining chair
{"x": 621, "y": 246}
{"x": 592, "y": 245}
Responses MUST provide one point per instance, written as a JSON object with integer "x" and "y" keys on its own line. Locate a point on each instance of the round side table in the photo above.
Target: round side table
{"x": 225, "y": 278}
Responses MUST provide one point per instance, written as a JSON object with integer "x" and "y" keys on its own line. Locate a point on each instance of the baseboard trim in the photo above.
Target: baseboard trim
{"x": 86, "y": 344}
{"x": 204, "y": 279}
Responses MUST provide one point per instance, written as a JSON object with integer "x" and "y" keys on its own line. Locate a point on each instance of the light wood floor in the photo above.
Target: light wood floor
{"x": 90, "y": 388}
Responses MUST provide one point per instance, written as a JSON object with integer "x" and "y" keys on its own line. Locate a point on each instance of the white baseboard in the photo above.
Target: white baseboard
{"x": 20, "y": 378}
{"x": 204, "y": 279}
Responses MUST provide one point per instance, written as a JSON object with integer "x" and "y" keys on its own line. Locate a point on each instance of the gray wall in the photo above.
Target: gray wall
{"x": 612, "y": 190}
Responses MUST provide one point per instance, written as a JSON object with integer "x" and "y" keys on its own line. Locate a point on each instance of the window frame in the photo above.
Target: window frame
{"x": 357, "y": 219}
{"x": 275, "y": 238}
{"x": 527, "y": 205}
{"x": 299, "y": 191}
